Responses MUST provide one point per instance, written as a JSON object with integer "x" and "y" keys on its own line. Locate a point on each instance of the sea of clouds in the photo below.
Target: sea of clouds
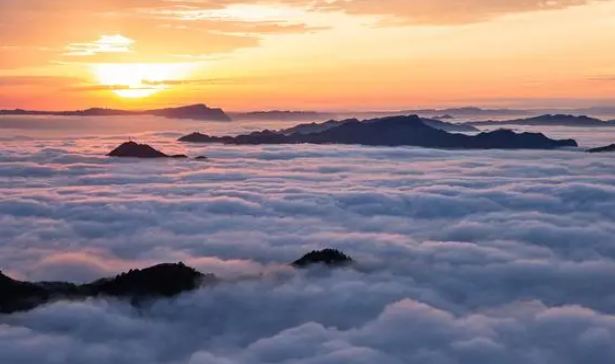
{"x": 463, "y": 256}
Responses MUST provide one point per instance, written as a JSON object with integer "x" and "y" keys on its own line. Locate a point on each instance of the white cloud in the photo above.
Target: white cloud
{"x": 105, "y": 44}
{"x": 448, "y": 12}
{"x": 464, "y": 257}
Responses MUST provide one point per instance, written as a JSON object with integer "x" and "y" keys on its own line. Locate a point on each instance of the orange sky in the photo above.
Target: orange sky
{"x": 306, "y": 54}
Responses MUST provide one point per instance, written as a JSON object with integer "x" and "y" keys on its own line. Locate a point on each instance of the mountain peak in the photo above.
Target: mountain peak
{"x": 133, "y": 149}
{"x": 194, "y": 112}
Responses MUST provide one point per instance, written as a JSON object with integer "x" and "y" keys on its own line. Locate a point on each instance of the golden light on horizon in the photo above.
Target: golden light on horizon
{"x": 306, "y": 54}
{"x": 139, "y": 80}
{"x": 136, "y": 93}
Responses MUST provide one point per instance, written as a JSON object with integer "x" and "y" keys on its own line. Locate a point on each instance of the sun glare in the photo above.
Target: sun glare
{"x": 140, "y": 80}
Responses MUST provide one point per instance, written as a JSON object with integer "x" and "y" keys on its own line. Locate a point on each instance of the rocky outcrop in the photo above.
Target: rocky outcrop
{"x": 607, "y": 149}
{"x": 22, "y": 296}
{"x": 164, "y": 280}
{"x": 327, "y": 257}
{"x": 136, "y": 150}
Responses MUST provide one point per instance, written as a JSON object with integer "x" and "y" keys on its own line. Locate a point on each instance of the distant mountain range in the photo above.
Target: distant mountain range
{"x": 204, "y": 113}
{"x": 549, "y": 120}
{"x": 277, "y": 115}
{"x": 466, "y": 112}
{"x": 193, "y": 112}
{"x": 476, "y": 112}
{"x": 389, "y": 131}
{"x": 463, "y": 113}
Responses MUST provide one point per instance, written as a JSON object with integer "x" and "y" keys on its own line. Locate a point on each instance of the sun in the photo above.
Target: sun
{"x": 139, "y": 80}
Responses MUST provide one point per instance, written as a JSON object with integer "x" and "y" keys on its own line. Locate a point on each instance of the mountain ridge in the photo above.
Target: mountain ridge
{"x": 312, "y": 128}
{"x": 166, "y": 280}
{"x": 549, "y": 120}
{"x": 392, "y": 131}
{"x": 138, "y": 285}
{"x": 193, "y": 112}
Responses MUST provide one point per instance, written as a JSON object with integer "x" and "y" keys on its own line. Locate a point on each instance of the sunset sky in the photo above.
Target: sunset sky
{"x": 306, "y": 54}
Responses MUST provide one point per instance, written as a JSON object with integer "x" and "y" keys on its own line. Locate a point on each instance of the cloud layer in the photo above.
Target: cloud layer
{"x": 465, "y": 257}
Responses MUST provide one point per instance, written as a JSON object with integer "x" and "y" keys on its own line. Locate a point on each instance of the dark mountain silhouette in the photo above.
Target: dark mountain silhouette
{"x": 467, "y": 112}
{"x": 328, "y": 257}
{"x": 165, "y": 280}
{"x": 204, "y": 138}
{"x": 21, "y": 296}
{"x": 136, "y": 150}
{"x": 548, "y": 120}
{"x": 607, "y": 149}
{"x": 94, "y": 112}
{"x": 259, "y": 137}
{"x": 194, "y": 112}
{"x": 395, "y": 131}
{"x": 443, "y": 117}
{"x": 313, "y": 128}
{"x": 137, "y": 285}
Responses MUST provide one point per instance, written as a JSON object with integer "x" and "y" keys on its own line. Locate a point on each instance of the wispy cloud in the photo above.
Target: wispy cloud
{"x": 148, "y": 29}
{"x": 602, "y": 78}
{"x": 56, "y": 82}
{"x": 444, "y": 11}
{"x": 106, "y": 44}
